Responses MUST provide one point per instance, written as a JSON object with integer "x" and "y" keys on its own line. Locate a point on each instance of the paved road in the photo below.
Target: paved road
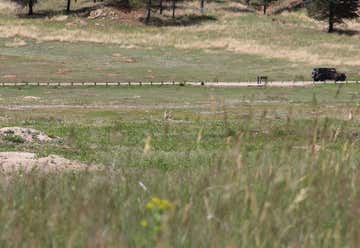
{"x": 206, "y": 84}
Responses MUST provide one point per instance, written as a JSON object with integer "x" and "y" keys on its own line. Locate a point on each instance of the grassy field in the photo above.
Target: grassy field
{"x": 250, "y": 167}
{"x": 234, "y": 167}
{"x": 229, "y": 43}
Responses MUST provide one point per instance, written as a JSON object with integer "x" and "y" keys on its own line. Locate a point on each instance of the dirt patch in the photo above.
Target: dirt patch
{"x": 25, "y": 135}
{"x": 128, "y": 60}
{"x": 9, "y": 76}
{"x": 60, "y": 18}
{"x": 31, "y": 98}
{"x": 63, "y": 71}
{"x": 27, "y": 162}
{"x": 123, "y": 14}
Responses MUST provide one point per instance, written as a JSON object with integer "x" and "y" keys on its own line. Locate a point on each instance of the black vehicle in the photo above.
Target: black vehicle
{"x": 322, "y": 74}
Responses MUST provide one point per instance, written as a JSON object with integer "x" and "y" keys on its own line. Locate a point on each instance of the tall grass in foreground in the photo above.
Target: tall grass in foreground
{"x": 252, "y": 193}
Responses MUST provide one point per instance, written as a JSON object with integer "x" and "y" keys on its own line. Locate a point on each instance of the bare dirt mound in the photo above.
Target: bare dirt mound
{"x": 117, "y": 13}
{"x": 25, "y": 134}
{"x": 27, "y": 162}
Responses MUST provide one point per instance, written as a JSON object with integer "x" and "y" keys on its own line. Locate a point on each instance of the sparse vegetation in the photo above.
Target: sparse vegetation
{"x": 14, "y": 138}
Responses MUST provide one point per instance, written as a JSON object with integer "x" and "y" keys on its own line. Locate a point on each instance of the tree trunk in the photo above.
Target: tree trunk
{"x": 202, "y": 3}
{"x": 31, "y": 8}
{"x": 68, "y": 6}
{"x": 265, "y": 7}
{"x": 173, "y": 8}
{"x": 148, "y": 12}
{"x": 161, "y": 7}
{"x": 331, "y": 17}
{"x": 331, "y": 27}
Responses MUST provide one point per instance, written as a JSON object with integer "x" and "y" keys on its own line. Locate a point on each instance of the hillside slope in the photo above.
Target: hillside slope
{"x": 229, "y": 38}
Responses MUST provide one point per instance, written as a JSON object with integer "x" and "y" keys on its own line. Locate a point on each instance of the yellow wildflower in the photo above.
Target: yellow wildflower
{"x": 156, "y": 200}
{"x": 150, "y": 205}
{"x": 144, "y": 223}
{"x": 165, "y": 204}
{"x": 158, "y": 204}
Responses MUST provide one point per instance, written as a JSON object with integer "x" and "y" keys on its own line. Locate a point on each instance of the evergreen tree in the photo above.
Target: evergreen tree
{"x": 332, "y": 11}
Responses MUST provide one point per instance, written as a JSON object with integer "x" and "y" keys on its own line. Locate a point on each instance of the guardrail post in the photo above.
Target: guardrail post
{"x": 129, "y": 83}
{"x": 118, "y": 84}
{"x": 140, "y": 83}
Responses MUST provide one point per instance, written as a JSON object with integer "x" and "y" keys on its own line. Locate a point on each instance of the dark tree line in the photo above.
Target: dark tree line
{"x": 330, "y": 11}
{"x": 151, "y": 5}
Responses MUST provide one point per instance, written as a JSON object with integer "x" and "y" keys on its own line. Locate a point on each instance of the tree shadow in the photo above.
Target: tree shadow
{"x": 238, "y": 10}
{"x": 348, "y": 32}
{"x": 84, "y": 11}
{"x": 184, "y": 20}
{"x": 122, "y": 5}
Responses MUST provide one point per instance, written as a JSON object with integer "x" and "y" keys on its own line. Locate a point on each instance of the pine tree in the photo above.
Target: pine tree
{"x": 332, "y": 11}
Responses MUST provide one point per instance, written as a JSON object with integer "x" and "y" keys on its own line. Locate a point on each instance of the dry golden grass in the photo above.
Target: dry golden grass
{"x": 173, "y": 37}
{"x": 7, "y": 5}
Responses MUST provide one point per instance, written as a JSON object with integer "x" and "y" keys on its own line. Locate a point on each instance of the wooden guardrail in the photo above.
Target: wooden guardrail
{"x": 173, "y": 83}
